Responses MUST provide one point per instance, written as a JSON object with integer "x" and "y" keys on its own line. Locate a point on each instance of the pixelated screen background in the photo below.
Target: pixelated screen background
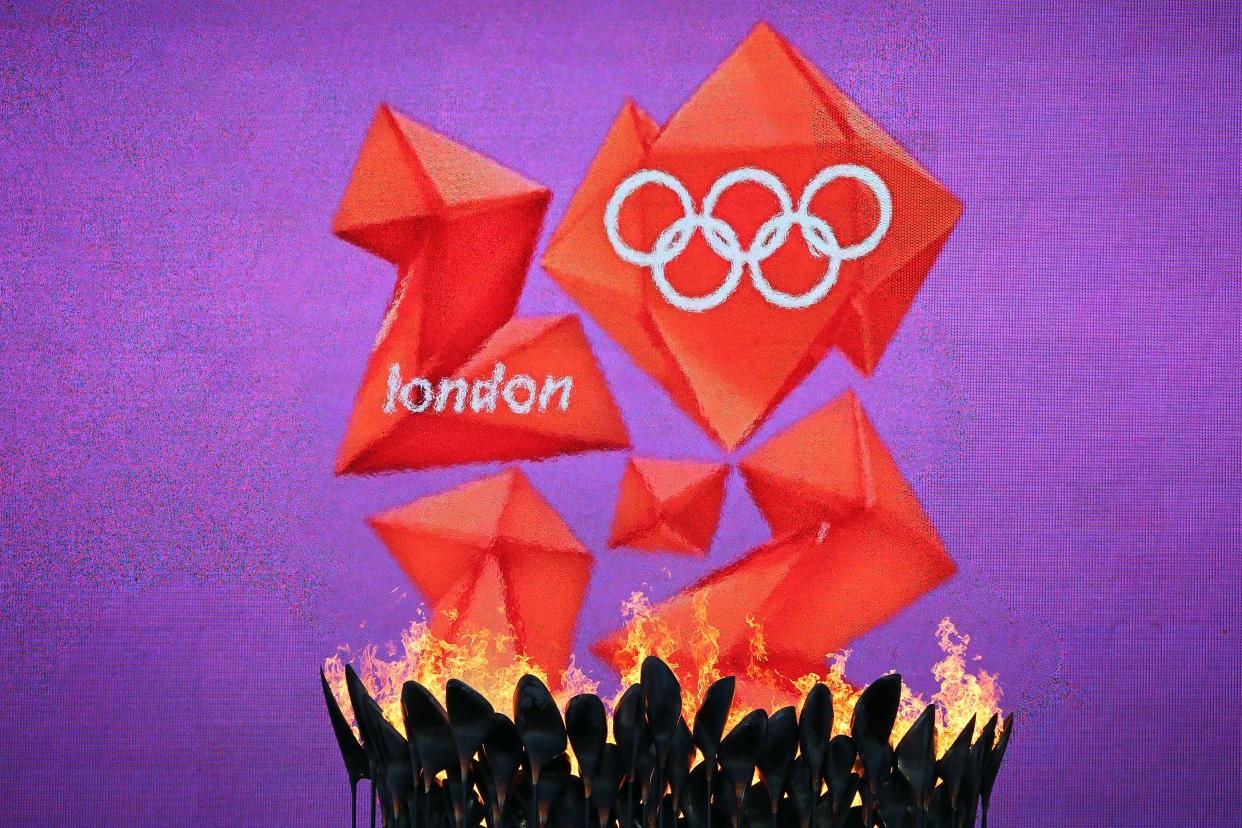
{"x": 182, "y": 339}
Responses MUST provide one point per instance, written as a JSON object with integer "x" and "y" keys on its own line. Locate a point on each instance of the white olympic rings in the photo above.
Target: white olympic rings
{"x": 819, "y": 237}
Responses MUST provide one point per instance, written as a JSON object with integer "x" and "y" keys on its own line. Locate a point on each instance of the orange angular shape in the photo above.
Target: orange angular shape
{"x": 581, "y": 260}
{"x": 460, "y": 228}
{"x": 463, "y": 177}
{"x": 637, "y": 509}
{"x": 406, "y": 171}
{"x": 475, "y": 606}
{"x": 668, "y": 505}
{"x": 870, "y": 319}
{"x": 853, "y": 547}
{"x": 816, "y": 470}
{"x": 772, "y": 101}
{"x": 728, "y": 597}
{"x": 703, "y": 296}
{"x": 546, "y": 590}
{"x": 389, "y": 196}
{"x": 810, "y": 593}
{"x": 462, "y": 231}
{"x": 829, "y": 467}
{"x": 494, "y": 554}
{"x": 533, "y": 390}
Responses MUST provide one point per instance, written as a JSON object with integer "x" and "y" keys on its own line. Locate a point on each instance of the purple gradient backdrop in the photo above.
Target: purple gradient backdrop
{"x": 182, "y": 339}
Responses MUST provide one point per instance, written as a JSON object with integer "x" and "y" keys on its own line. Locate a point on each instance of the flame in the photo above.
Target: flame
{"x": 961, "y": 694}
{"x": 485, "y": 659}
{"x": 489, "y": 662}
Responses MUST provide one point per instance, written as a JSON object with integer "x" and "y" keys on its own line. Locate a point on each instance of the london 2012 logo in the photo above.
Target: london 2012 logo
{"x": 768, "y": 222}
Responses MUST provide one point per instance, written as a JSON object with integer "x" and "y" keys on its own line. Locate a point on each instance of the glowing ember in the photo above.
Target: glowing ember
{"x": 488, "y": 661}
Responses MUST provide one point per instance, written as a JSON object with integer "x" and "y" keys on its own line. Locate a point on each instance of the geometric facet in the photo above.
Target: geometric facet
{"x": 852, "y": 547}
{"x": 494, "y": 554}
{"x": 810, "y": 593}
{"x": 668, "y": 505}
{"x": 461, "y": 230}
{"x": 729, "y": 364}
{"x": 831, "y": 466}
{"x": 442, "y": 426}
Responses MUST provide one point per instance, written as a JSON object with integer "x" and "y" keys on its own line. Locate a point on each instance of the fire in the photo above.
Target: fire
{"x": 486, "y": 660}
{"x": 961, "y": 694}
{"x": 489, "y": 662}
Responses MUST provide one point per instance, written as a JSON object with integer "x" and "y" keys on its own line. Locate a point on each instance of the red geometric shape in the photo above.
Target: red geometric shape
{"x": 582, "y": 261}
{"x": 460, "y": 228}
{"x": 668, "y": 505}
{"x": 494, "y": 554}
{"x": 853, "y": 547}
{"x": 829, "y": 467}
{"x": 729, "y": 365}
{"x": 396, "y": 426}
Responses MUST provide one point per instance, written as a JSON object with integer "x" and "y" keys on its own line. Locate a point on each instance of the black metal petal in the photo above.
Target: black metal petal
{"x": 680, "y": 758}
{"x": 470, "y": 720}
{"x": 776, "y": 756}
{"x": 814, "y": 733}
{"x": 952, "y": 767}
{"x": 362, "y": 703}
{"x": 553, "y": 777}
{"x": 386, "y": 749}
{"x": 802, "y": 795}
{"x": 695, "y": 798}
{"x": 990, "y": 769}
{"x": 503, "y": 753}
{"x": 469, "y": 716}
{"x": 896, "y": 802}
{"x": 968, "y": 794}
{"x": 738, "y": 752}
{"x": 629, "y": 728}
{"x": 916, "y": 756}
{"x": 427, "y": 724}
{"x": 354, "y": 756}
{"x": 586, "y": 723}
{"x": 759, "y": 812}
{"x": 709, "y": 721}
{"x": 568, "y": 811}
{"x": 608, "y": 779}
{"x": 842, "y": 753}
{"x": 662, "y": 697}
{"x": 539, "y": 723}
{"x": 874, "y": 716}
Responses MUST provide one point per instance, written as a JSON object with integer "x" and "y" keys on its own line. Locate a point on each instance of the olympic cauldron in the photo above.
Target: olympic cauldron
{"x": 469, "y": 766}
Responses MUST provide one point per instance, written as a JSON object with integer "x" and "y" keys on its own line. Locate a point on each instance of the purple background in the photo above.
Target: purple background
{"x": 182, "y": 339}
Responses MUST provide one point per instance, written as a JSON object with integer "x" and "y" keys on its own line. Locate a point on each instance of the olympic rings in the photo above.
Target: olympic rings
{"x": 817, "y": 234}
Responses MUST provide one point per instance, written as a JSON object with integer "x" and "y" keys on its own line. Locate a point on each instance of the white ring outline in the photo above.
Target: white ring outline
{"x": 817, "y": 234}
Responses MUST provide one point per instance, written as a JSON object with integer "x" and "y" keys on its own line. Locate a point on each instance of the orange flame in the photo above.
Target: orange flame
{"x": 489, "y": 662}
{"x": 486, "y": 660}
